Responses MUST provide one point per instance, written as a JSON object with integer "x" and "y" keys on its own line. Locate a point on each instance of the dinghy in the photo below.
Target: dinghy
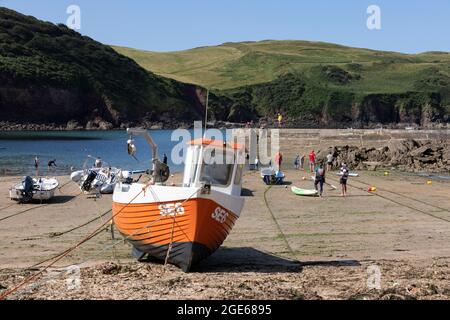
{"x": 270, "y": 176}
{"x": 42, "y": 189}
{"x": 182, "y": 224}
{"x": 98, "y": 179}
{"x": 304, "y": 192}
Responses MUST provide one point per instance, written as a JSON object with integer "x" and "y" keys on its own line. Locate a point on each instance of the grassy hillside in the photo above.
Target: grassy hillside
{"x": 49, "y": 73}
{"x": 233, "y": 65}
{"x": 312, "y": 83}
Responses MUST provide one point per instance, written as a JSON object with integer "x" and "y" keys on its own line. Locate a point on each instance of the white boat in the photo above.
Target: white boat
{"x": 271, "y": 176}
{"x": 96, "y": 180}
{"x": 42, "y": 189}
{"x": 182, "y": 224}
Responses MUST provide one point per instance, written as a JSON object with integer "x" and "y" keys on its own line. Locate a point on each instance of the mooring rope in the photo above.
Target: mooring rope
{"x": 92, "y": 235}
{"x": 288, "y": 246}
{"x": 65, "y": 253}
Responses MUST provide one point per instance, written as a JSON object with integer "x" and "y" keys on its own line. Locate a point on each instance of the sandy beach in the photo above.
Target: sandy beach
{"x": 282, "y": 247}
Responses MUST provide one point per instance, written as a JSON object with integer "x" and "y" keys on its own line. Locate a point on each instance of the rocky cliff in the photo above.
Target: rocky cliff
{"x": 51, "y": 75}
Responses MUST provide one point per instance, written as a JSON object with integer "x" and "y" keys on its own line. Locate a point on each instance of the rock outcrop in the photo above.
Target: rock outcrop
{"x": 408, "y": 155}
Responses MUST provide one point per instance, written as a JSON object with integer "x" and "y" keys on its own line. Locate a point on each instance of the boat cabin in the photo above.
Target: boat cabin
{"x": 214, "y": 163}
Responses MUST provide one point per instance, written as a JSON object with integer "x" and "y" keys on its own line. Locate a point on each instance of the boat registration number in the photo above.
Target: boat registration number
{"x": 220, "y": 215}
{"x": 171, "y": 209}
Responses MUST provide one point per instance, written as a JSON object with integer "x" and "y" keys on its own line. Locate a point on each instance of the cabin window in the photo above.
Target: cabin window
{"x": 216, "y": 174}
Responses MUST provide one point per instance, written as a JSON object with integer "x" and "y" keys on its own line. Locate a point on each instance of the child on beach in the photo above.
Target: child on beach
{"x": 344, "y": 178}
{"x": 297, "y": 162}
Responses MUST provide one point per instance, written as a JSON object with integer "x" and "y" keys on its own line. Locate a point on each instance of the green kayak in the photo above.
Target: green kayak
{"x": 304, "y": 192}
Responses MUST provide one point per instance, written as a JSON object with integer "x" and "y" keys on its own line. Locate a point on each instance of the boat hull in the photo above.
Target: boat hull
{"x": 42, "y": 191}
{"x": 183, "y": 231}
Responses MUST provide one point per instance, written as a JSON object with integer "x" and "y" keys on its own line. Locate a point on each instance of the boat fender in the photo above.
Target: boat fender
{"x": 76, "y": 176}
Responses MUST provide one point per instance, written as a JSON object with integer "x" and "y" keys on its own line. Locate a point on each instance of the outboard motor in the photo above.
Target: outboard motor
{"x": 87, "y": 184}
{"x": 28, "y": 185}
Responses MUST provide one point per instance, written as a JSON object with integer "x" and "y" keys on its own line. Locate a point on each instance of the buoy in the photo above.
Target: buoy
{"x": 386, "y": 173}
{"x": 372, "y": 189}
{"x": 303, "y": 178}
{"x": 429, "y": 182}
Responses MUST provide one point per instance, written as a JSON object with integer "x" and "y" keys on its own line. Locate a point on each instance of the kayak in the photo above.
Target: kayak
{"x": 351, "y": 174}
{"x": 304, "y": 192}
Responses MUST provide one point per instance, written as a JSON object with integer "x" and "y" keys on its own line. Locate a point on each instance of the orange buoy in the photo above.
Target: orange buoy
{"x": 429, "y": 182}
{"x": 372, "y": 189}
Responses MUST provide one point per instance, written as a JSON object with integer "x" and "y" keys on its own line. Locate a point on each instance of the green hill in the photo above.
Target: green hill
{"x": 233, "y": 65}
{"x": 312, "y": 82}
{"x": 51, "y": 74}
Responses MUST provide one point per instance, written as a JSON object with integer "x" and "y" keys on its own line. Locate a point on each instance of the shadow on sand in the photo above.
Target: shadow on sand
{"x": 57, "y": 200}
{"x": 246, "y": 192}
{"x": 246, "y": 259}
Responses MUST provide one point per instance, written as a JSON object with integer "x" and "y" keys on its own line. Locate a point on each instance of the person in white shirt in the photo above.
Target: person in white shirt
{"x": 344, "y": 178}
{"x": 330, "y": 161}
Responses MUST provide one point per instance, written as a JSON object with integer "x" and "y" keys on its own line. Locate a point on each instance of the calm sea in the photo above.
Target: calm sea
{"x": 72, "y": 148}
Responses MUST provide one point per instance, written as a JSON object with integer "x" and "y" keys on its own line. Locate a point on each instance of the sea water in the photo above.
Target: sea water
{"x": 72, "y": 148}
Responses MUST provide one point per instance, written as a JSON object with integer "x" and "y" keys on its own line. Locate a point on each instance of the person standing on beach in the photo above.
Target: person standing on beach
{"x": 344, "y": 178}
{"x": 280, "y": 119}
{"x": 165, "y": 158}
{"x": 330, "y": 161}
{"x": 312, "y": 161}
{"x": 279, "y": 160}
{"x": 36, "y": 165}
{"x": 302, "y": 162}
{"x": 297, "y": 162}
{"x": 320, "y": 179}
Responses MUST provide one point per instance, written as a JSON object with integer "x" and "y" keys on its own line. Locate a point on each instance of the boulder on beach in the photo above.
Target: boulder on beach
{"x": 409, "y": 155}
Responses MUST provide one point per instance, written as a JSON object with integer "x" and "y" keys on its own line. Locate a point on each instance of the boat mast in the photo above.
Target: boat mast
{"x": 206, "y": 113}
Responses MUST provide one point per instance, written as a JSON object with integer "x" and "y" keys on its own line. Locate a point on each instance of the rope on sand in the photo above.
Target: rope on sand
{"x": 402, "y": 204}
{"x": 59, "y": 234}
{"x": 288, "y": 246}
{"x": 63, "y": 254}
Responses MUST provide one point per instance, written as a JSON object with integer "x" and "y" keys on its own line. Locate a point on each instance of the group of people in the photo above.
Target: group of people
{"x": 319, "y": 170}
{"x": 319, "y": 179}
{"x": 51, "y": 164}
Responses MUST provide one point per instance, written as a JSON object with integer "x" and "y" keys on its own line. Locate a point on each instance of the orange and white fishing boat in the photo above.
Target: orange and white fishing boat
{"x": 182, "y": 224}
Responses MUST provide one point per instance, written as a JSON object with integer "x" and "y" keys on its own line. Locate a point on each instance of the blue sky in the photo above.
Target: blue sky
{"x": 167, "y": 25}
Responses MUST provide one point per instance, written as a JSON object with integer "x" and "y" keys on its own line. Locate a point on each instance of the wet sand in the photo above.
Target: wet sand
{"x": 282, "y": 247}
